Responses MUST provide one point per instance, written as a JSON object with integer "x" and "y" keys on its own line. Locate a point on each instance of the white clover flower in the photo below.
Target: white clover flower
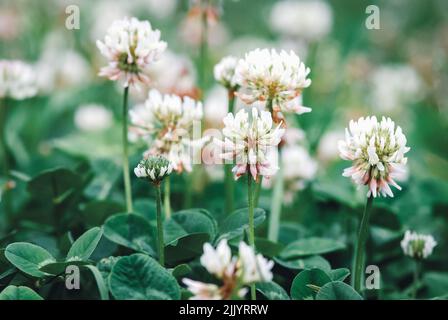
{"x": 61, "y": 68}
{"x": 268, "y": 75}
{"x": 395, "y": 86}
{"x": 253, "y": 267}
{"x": 154, "y": 168}
{"x": 131, "y": 46}
{"x": 169, "y": 120}
{"x": 234, "y": 272}
{"x": 377, "y": 151}
{"x": 224, "y": 72}
{"x": 309, "y": 20}
{"x": 93, "y": 118}
{"x": 174, "y": 74}
{"x": 202, "y": 291}
{"x": 418, "y": 246}
{"x": 248, "y": 142}
{"x": 17, "y": 80}
{"x": 328, "y": 145}
{"x": 217, "y": 262}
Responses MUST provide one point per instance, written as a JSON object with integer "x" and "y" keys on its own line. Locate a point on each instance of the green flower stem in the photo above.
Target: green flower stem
{"x": 5, "y": 197}
{"x": 4, "y": 149}
{"x": 250, "y": 198}
{"x": 203, "y": 51}
{"x": 126, "y": 176}
{"x": 160, "y": 241}
{"x": 229, "y": 181}
{"x": 258, "y": 190}
{"x": 360, "y": 246}
{"x": 166, "y": 199}
{"x": 416, "y": 279}
{"x": 276, "y": 206}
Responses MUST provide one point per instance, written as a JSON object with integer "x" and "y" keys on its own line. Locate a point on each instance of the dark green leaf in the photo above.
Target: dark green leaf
{"x": 300, "y": 288}
{"x": 19, "y": 293}
{"x": 28, "y": 258}
{"x": 131, "y": 231}
{"x": 339, "y": 274}
{"x": 84, "y": 246}
{"x": 238, "y": 222}
{"x": 310, "y": 246}
{"x": 139, "y": 277}
{"x": 337, "y": 290}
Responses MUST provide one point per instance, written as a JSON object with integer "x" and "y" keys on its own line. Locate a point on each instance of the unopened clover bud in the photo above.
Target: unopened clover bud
{"x": 154, "y": 168}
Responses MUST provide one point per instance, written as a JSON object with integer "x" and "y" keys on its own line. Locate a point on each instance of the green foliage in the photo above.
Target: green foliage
{"x": 139, "y": 277}
{"x": 19, "y": 293}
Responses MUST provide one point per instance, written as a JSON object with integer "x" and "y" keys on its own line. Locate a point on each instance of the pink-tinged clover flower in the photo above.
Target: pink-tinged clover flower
{"x": 248, "y": 141}
{"x": 377, "y": 151}
{"x": 131, "y": 46}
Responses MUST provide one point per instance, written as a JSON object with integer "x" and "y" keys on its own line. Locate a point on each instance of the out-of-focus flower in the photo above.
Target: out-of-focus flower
{"x": 224, "y": 72}
{"x": 174, "y": 74}
{"x": 10, "y": 23}
{"x": 60, "y": 68}
{"x": 395, "y": 86}
{"x": 254, "y": 267}
{"x": 93, "y": 117}
{"x": 161, "y": 9}
{"x": 168, "y": 121}
{"x": 130, "y": 46}
{"x": 309, "y": 20}
{"x": 417, "y": 246}
{"x": 268, "y": 75}
{"x": 248, "y": 142}
{"x": 154, "y": 168}
{"x": 217, "y": 262}
{"x": 328, "y": 145}
{"x": 17, "y": 80}
{"x": 298, "y": 166}
{"x": 377, "y": 151}
{"x": 234, "y": 272}
{"x": 191, "y": 28}
{"x": 215, "y": 106}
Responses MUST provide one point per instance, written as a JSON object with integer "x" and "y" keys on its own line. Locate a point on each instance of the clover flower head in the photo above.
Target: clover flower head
{"x": 167, "y": 122}
{"x": 219, "y": 261}
{"x": 17, "y": 80}
{"x": 254, "y": 267}
{"x": 248, "y": 141}
{"x": 377, "y": 151}
{"x": 234, "y": 272}
{"x": 265, "y": 74}
{"x": 417, "y": 246}
{"x": 224, "y": 72}
{"x": 130, "y": 46}
{"x": 154, "y": 168}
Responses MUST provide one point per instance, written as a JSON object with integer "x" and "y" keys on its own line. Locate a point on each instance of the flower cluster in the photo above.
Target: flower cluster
{"x": 224, "y": 72}
{"x": 168, "y": 121}
{"x": 268, "y": 75}
{"x": 234, "y": 272}
{"x": 93, "y": 118}
{"x": 418, "y": 246}
{"x": 249, "y": 141}
{"x": 154, "y": 169}
{"x": 377, "y": 151}
{"x": 131, "y": 46}
{"x": 17, "y": 80}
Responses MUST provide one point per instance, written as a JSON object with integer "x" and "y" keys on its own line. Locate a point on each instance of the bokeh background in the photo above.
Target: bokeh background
{"x": 399, "y": 71}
